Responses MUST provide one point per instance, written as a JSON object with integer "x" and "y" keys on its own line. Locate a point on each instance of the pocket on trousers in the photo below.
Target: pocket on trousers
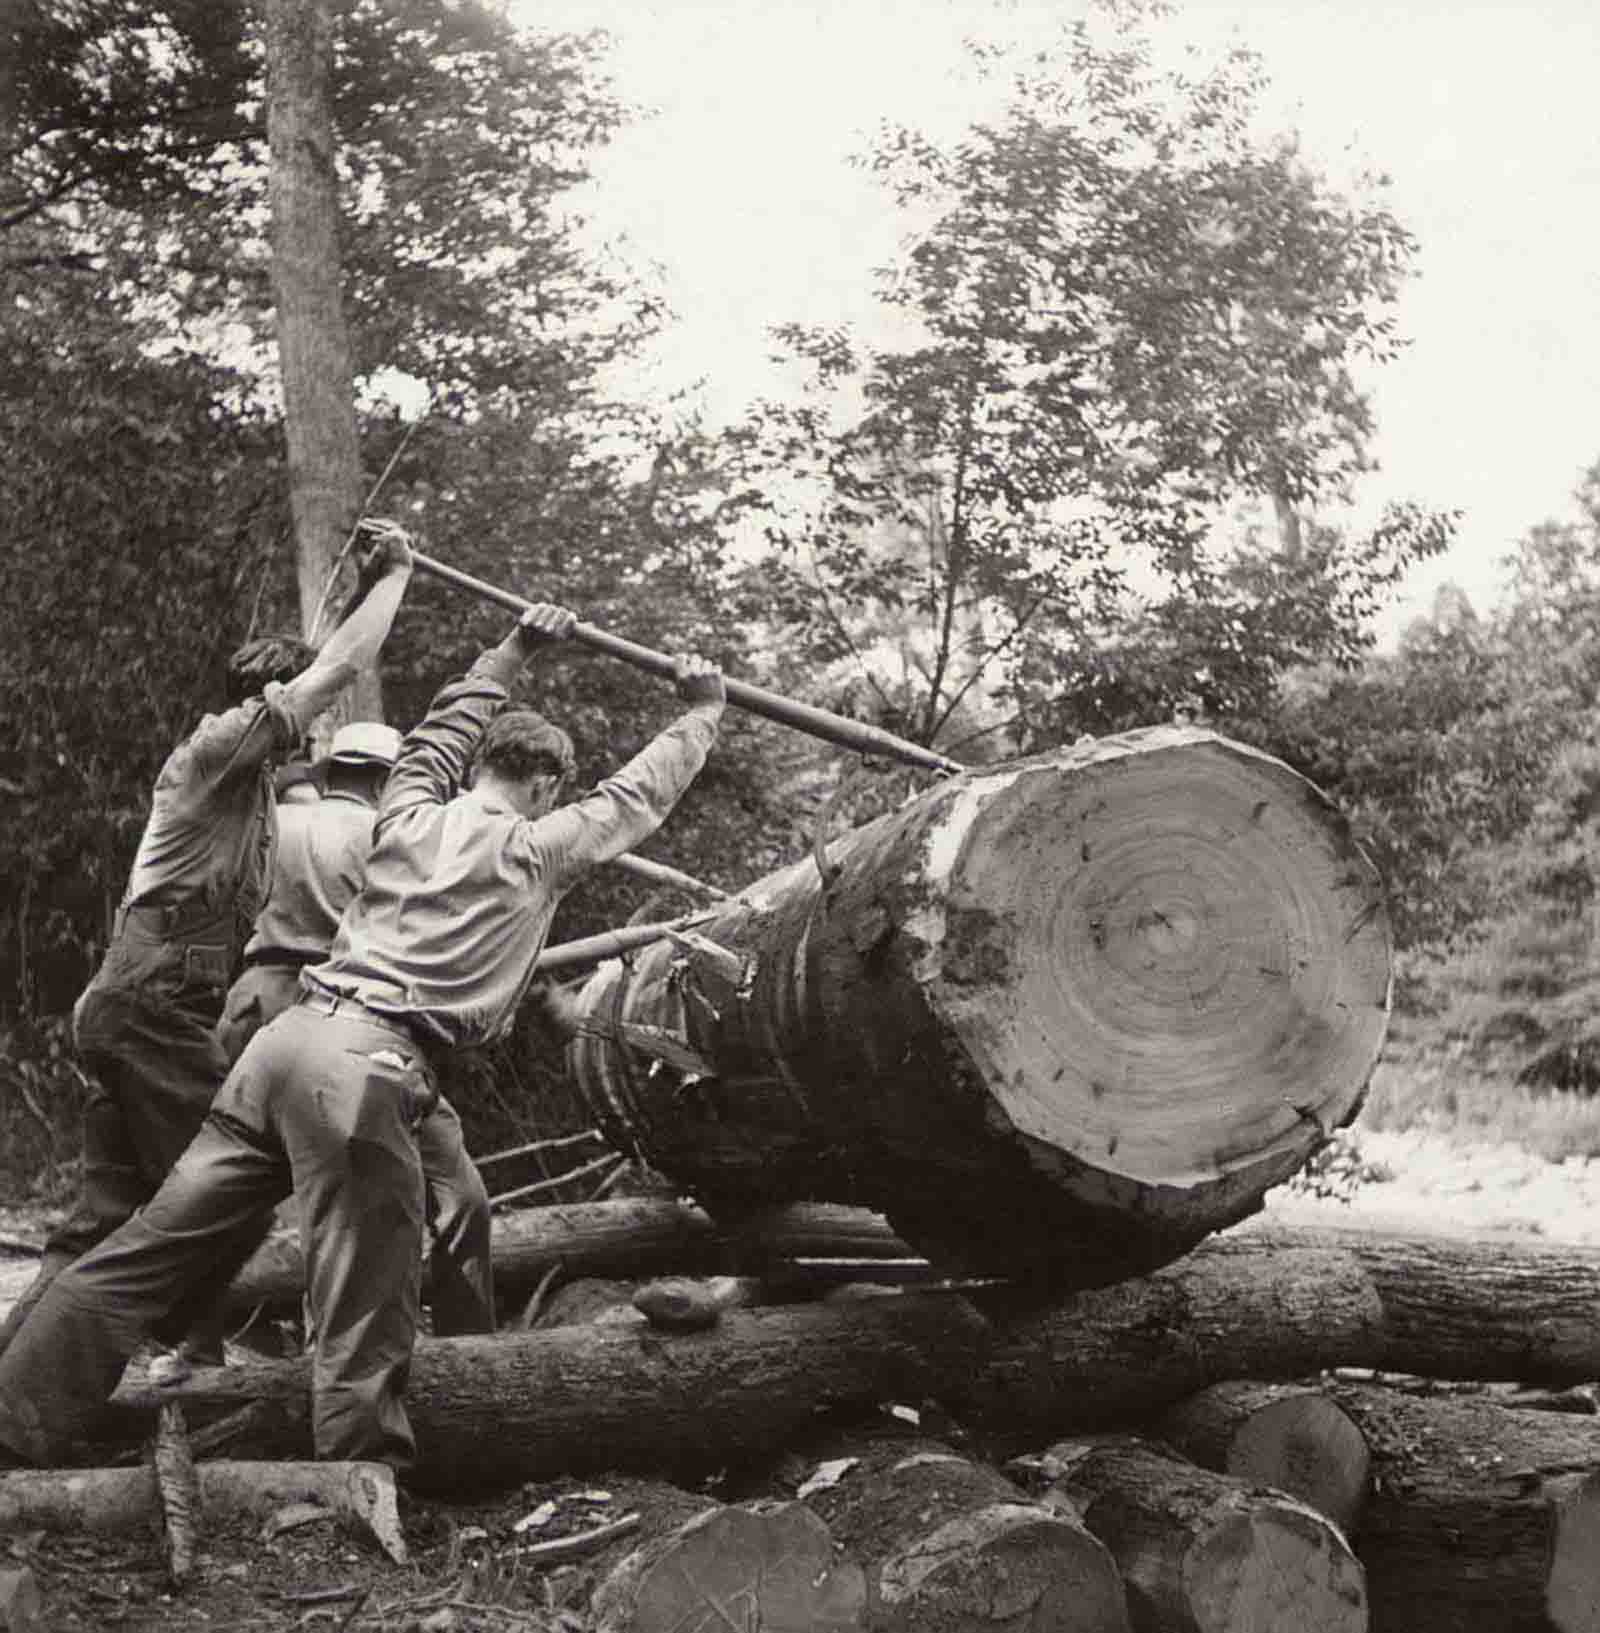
{"x": 413, "y": 1082}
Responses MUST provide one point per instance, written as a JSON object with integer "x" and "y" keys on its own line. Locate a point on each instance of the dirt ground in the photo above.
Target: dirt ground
{"x": 470, "y": 1568}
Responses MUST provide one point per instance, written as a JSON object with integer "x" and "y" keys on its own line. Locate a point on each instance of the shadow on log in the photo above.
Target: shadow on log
{"x": 1059, "y": 1018}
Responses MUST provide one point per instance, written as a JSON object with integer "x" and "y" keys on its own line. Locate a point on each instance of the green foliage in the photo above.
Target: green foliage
{"x": 143, "y": 537}
{"x": 1124, "y": 315}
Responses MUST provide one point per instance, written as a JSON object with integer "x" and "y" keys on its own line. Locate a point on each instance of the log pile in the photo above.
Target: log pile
{"x": 962, "y": 1327}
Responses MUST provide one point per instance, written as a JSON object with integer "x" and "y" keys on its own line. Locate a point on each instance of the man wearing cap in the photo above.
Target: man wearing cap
{"x": 321, "y": 859}
{"x": 437, "y": 950}
{"x": 145, "y": 1026}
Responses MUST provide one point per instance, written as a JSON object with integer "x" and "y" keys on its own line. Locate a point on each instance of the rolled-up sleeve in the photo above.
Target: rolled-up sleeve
{"x": 623, "y": 810}
{"x": 242, "y": 739}
{"x": 436, "y": 753}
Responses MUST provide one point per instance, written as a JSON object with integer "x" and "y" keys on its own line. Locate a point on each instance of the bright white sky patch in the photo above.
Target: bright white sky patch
{"x": 1482, "y": 114}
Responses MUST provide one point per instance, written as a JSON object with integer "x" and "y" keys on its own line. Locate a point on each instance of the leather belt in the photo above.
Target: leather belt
{"x": 281, "y": 958}
{"x": 338, "y": 1003}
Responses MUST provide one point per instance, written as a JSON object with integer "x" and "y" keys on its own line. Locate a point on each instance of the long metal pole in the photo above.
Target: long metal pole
{"x": 830, "y": 727}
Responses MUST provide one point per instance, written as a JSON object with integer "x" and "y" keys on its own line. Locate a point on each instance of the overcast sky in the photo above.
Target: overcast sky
{"x": 1481, "y": 113}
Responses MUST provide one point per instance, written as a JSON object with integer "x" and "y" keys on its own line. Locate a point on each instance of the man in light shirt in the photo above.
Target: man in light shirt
{"x": 436, "y": 951}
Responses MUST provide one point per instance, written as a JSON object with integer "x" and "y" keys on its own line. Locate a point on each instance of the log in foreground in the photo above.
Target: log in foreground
{"x": 772, "y": 1565}
{"x": 1291, "y": 1436}
{"x": 584, "y": 1398}
{"x": 949, "y": 1543}
{"x": 1204, "y": 1553}
{"x": 1482, "y": 1516}
{"x": 1062, "y": 1017}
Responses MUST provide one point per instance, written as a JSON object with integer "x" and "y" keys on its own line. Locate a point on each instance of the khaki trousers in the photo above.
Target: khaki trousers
{"x": 324, "y": 1107}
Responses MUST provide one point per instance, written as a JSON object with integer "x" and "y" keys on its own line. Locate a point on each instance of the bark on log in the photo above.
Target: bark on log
{"x": 1459, "y": 1306}
{"x": 952, "y": 1544}
{"x": 1064, "y": 1016}
{"x": 1204, "y": 1553}
{"x": 771, "y": 1566}
{"x": 519, "y": 1406}
{"x": 525, "y": 1405}
{"x": 1482, "y": 1516}
{"x": 1290, "y": 1436}
{"x": 126, "y": 1499}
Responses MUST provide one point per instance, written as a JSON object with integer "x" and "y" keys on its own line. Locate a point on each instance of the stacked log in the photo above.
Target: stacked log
{"x": 1059, "y": 1019}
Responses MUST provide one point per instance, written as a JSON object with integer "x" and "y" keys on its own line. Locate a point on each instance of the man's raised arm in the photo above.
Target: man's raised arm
{"x": 385, "y": 572}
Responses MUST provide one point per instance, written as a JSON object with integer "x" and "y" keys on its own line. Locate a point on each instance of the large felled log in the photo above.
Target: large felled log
{"x": 772, "y": 1566}
{"x": 524, "y": 1405}
{"x": 1481, "y": 1515}
{"x": 1291, "y": 1436}
{"x": 952, "y": 1544}
{"x": 1063, "y": 1016}
{"x": 1457, "y": 1306}
{"x": 1204, "y": 1553}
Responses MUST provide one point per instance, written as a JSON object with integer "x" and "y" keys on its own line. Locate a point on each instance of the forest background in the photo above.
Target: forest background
{"x": 1103, "y": 472}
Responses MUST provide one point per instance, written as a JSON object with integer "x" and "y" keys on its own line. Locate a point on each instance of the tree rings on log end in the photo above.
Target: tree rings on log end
{"x": 1164, "y": 954}
{"x": 1010, "y": 1565}
{"x": 1572, "y": 1590}
{"x": 1275, "y": 1567}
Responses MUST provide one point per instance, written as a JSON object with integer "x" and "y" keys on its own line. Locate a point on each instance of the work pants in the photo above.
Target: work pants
{"x": 321, "y": 1106}
{"x": 460, "y": 1267}
{"x": 154, "y": 1066}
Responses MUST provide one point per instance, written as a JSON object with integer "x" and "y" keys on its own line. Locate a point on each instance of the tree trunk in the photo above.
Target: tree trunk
{"x": 1468, "y": 1306}
{"x": 1203, "y": 1553}
{"x": 774, "y": 1565}
{"x": 1482, "y": 1516}
{"x": 951, "y": 1544}
{"x": 313, "y": 342}
{"x": 522, "y": 1406}
{"x": 1285, "y": 1435}
{"x": 1061, "y": 1017}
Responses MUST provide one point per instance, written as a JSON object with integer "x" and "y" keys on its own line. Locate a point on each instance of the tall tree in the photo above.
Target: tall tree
{"x": 324, "y": 460}
{"x": 1123, "y": 314}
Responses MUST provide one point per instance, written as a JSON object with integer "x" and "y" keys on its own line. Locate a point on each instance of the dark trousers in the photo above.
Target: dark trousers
{"x": 321, "y": 1106}
{"x": 460, "y": 1266}
{"x": 154, "y": 1066}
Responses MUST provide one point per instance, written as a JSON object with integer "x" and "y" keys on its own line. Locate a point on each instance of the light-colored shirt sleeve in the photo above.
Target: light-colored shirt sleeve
{"x": 437, "y": 752}
{"x": 242, "y": 739}
{"x": 621, "y": 811}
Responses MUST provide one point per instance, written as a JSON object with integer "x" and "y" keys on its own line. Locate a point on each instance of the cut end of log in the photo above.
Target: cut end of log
{"x": 1308, "y": 1446}
{"x": 1572, "y": 1590}
{"x": 1009, "y": 1566}
{"x": 1172, "y": 964}
{"x": 1275, "y": 1566}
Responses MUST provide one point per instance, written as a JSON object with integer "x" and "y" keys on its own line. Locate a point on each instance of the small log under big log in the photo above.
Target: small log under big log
{"x": 1202, "y": 1552}
{"x": 519, "y": 1406}
{"x": 952, "y": 1544}
{"x": 1482, "y": 1516}
{"x": 1287, "y": 1435}
{"x": 1057, "y": 1018}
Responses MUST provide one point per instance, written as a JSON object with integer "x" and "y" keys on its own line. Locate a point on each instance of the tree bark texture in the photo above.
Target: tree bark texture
{"x": 1482, "y": 1516}
{"x": 313, "y": 339}
{"x": 1061, "y": 1017}
{"x": 951, "y": 1544}
{"x": 1457, "y": 1306}
{"x": 521, "y": 1406}
{"x": 1204, "y": 1553}
{"x": 1290, "y": 1436}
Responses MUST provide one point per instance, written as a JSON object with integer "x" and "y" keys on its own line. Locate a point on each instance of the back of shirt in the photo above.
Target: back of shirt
{"x": 321, "y": 858}
{"x": 207, "y": 846}
{"x": 460, "y": 891}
